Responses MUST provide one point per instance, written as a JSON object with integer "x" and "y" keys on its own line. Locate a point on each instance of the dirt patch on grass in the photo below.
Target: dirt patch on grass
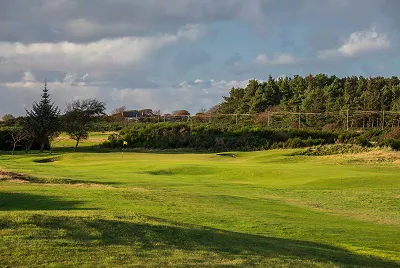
{"x": 6, "y": 175}
{"x": 21, "y": 178}
{"x": 17, "y": 181}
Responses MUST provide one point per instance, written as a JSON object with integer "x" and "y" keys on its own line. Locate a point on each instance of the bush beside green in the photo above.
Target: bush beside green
{"x": 216, "y": 137}
{"x": 392, "y": 139}
{"x": 333, "y": 149}
{"x": 393, "y": 143}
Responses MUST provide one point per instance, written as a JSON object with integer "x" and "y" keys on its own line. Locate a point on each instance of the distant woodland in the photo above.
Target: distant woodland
{"x": 319, "y": 93}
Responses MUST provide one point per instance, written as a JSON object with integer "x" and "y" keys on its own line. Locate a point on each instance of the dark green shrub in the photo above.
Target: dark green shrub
{"x": 5, "y": 139}
{"x": 295, "y": 143}
{"x": 393, "y": 143}
{"x": 114, "y": 141}
{"x": 362, "y": 141}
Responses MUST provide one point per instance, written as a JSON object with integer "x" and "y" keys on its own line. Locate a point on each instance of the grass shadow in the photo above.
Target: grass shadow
{"x": 227, "y": 155}
{"x": 23, "y": 201}
{"x": 47, "y": 160}
{"x": 169, "y": 236}
{"x": 189, "y": 170}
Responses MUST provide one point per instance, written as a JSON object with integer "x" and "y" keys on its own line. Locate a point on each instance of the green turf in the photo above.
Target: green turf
{"x": 263, "y": 209}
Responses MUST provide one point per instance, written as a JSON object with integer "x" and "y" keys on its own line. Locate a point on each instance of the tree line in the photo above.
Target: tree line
{"x": 318, "y": 94}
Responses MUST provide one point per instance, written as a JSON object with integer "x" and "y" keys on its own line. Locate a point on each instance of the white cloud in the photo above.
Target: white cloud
{"x": 198, "y": 81}
{"x": 106, "y": 54}
{"x": 28, "y": 77}
{"x": 358, "y": 42}
{"x": 278, "y": 59}
{"x": 69, "y": 78}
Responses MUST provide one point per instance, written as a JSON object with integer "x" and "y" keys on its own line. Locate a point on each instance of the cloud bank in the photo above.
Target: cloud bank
{"x": 137, "y": 53}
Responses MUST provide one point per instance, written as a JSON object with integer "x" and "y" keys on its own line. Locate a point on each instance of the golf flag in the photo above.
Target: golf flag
{"x": 125, "y": 143}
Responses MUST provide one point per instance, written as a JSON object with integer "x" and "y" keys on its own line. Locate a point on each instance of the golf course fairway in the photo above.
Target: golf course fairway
{"x": 267, "y": 209}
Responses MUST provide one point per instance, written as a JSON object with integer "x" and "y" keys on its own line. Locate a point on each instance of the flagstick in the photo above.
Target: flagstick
{"x": 123, "y": 145}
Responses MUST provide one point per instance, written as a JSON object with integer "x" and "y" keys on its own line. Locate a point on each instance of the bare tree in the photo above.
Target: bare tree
{"x": 117, "y": 114}
{"x": 28, "y": 142}
{"x": 19, "y": 134}
{"x": 51, "y": 140}
{"x": 118, "y": 110}
{"x": 158, "y": 114}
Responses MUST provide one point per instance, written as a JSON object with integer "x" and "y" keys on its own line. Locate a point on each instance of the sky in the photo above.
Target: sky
{"x": 184, "y": 54}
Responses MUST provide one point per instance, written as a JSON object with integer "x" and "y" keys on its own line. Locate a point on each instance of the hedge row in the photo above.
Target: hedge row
{"x": 216, "y": 137}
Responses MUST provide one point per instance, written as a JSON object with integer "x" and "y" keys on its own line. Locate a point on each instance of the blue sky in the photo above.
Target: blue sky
{"x": 184, "y": 54}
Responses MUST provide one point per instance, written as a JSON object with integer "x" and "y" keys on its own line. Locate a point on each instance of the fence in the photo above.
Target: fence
{"x": 340, "y": 119}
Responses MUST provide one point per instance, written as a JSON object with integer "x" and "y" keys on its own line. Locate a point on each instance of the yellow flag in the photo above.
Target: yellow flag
{"x": 125, "y": 143}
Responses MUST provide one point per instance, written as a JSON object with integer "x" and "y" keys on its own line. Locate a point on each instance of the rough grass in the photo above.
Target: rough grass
{"x": 267, "y": 209}
{"x": 63, "y": 142}
{"x": 333, "y": 149}
{"x": 375, "y": 156}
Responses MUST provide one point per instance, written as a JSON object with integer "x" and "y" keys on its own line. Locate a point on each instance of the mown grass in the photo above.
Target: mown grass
{"x": 239, "y": 209}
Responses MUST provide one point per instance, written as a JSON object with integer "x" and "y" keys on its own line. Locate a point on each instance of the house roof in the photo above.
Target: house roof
{"x": 131, "y": 114}
{"x": 135, "y": 113}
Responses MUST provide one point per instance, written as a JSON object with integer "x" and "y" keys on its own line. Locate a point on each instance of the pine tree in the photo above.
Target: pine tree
{"x": 273, "y": 94}
{"x": 249, "y": 93}
{"x": 259, "y": 102}
{"x": 286, "y": 93}
{"x": 43, "y": 120}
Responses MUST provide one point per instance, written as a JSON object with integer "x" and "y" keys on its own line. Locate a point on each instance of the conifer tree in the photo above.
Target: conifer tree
{"x": 43, "y": 120}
